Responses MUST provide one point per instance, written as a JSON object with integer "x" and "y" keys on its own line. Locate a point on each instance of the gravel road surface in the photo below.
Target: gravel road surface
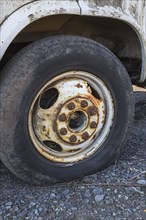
{"x": 118, "y": 192}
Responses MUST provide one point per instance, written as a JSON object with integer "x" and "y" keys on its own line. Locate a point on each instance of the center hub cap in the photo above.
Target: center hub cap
{"x": 77, "y": 120}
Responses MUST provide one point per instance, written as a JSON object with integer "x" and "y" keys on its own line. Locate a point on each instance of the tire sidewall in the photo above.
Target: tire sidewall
{"x": 44, "y": 64}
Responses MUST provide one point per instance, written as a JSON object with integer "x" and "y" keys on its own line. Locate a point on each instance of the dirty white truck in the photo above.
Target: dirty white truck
{"x": 66, "y": 93}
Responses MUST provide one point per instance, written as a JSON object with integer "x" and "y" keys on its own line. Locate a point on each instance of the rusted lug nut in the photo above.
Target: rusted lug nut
{"x": 62, "y": 117}
{"x": 44, "y": 128}
{"x": 85, "y": 135}
{"x": 63, "y": 131}
{"x": 92, "y": 110}
{"x": 71, "y": 106}
{"x": 93, "y": 124}
{"x": 84, "y": 103}
{"x": 73, "y": 138}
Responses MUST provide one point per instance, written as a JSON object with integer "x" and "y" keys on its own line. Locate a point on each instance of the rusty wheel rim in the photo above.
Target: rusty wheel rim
{"x": 71, "y": 117}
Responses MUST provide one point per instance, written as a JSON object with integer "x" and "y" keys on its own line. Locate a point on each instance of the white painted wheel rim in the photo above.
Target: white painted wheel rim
{"x": 71, "y": 144}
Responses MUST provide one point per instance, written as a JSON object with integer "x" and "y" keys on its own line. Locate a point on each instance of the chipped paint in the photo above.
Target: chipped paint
{"x": 30, "y": 12}
{"x": 52, "y": 125}
{"x": 10, "y": 6}
{"x": 133, "y": 12}
{"x": 16, "y": 15}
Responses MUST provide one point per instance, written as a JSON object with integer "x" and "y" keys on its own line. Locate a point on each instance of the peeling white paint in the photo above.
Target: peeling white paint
{"x": 126, "y": 14}
{"x": 29, "y": 13}
{"x": 18, "y": 14}
{"x": 9, "y": 6}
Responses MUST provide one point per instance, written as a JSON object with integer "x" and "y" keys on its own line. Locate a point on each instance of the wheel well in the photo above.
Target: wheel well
{"x": 116, "y": 35}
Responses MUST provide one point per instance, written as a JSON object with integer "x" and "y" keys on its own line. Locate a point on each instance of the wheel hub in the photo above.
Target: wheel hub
{"x": 77, "y": 120}
{"x": 67, "y": 120}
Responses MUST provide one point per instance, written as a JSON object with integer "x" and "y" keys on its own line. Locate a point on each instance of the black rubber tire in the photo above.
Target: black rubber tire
{"x": 23, "y": 77}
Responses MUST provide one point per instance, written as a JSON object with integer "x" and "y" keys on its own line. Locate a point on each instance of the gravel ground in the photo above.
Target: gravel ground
{"x": 118, "y": 192}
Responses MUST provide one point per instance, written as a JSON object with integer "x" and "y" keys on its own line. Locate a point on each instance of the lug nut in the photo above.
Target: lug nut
{"x": 63, "y": 131}
{"x": 84, "y": 103}
{"x": 73, "y": 138}
{"x": 92, "y": 110}
{"x": 71, "y": 106}
{"x": 62, "y": 117}
{"x": 85, "y": 135}
{"x": 93, "y": 124}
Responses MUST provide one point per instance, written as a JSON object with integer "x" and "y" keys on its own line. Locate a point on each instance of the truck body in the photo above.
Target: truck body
{"x": 119, "y": 25}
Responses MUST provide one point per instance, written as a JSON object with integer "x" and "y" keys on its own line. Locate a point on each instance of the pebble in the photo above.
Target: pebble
{"x": 40, "y": 210}
{"x": 114, "y": 214}
{"x": 31, "y": 214}
{"x": 67, "y": 196}
{"x": 86, "y": 201}
{"x": 115, "y": 191}
{"x": 141, "y": 182}
{"x": 97, "y": 190}
{"x": 32, "y": 204}
{"x": 87, "y": 194}
{"x": 52, "y": 195}
{"x": 99, "y": 198}
{"x": 119, "y": 196}
{"x": 16, "y": 209}
{"x": 36, "y": 212}
{"x": 66, "y": 192}
{"x": 8, "y": 203}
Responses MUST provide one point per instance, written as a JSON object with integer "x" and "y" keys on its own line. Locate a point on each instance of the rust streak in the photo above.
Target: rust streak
{"x": 79, "y": 85}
